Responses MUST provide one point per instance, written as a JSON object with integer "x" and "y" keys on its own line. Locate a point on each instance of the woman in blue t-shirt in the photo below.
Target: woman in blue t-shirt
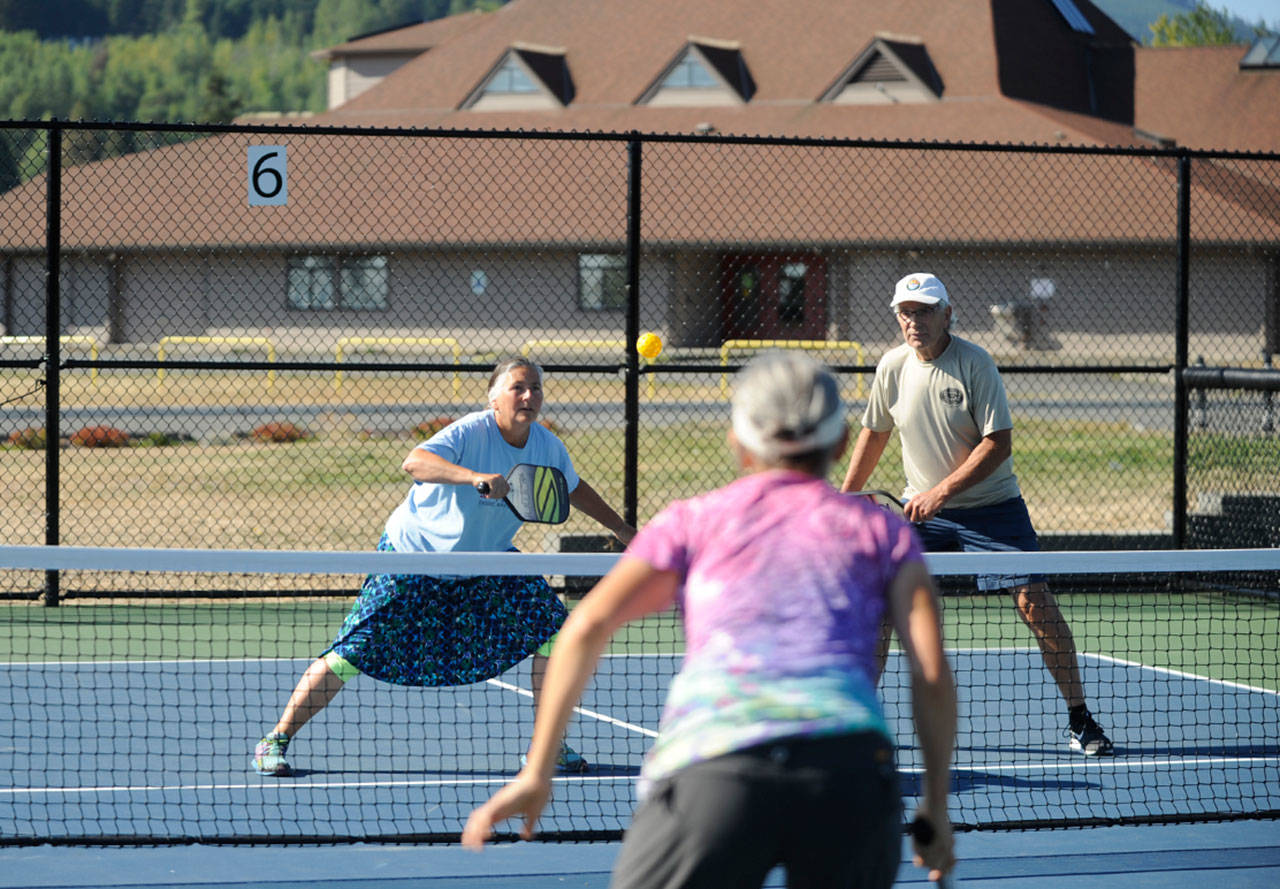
{"x": 435, "y": 631}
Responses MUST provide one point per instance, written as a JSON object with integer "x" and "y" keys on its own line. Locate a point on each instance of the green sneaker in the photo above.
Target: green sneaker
{"x": 569, "y": 762}
{"x": 268, "y": 756}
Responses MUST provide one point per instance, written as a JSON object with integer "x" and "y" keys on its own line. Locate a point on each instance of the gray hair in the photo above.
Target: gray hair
{"x": 785, "y": 404}
{"x": 505, "y": 367}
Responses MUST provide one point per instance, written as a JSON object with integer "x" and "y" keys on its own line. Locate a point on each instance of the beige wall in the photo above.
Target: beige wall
{"x": 1109, "y": 306}
{"x": 349, "y": 77}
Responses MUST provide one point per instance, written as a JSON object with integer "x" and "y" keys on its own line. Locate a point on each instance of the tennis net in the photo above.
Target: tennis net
{"x": 129, "y": 712}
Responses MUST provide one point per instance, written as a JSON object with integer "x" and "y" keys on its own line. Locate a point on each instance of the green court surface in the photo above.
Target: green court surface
{"x": 1224, "y": 636}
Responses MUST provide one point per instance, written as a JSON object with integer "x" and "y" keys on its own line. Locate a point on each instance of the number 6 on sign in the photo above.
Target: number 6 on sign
{"x": 268, "y": 176}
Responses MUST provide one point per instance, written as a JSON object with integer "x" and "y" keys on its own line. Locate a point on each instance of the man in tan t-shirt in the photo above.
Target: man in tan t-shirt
{"x": 945, "y": 396}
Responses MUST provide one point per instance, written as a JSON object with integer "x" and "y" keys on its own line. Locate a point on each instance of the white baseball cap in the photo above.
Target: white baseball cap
{"x": 920, "y": 287}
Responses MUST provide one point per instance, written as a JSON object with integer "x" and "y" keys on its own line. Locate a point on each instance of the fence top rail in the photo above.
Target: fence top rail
{"x": 642, "y": 137}
{"x": 1252, "y": 378}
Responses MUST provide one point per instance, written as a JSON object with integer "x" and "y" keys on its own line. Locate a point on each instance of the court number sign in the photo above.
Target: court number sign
{"x": 268, "y": 176}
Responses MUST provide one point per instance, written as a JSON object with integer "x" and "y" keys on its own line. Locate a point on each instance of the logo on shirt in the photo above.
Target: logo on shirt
{"x": 952, "y": 396}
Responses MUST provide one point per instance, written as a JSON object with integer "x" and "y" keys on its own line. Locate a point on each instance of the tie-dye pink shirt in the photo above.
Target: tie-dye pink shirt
{"x": 785, "y": 586}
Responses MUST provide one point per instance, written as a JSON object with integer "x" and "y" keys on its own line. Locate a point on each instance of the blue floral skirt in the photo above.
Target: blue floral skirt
{"x": 413, "y": 629}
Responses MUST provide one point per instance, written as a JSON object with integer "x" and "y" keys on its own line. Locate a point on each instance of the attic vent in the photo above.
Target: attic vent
{"x": 879, "y": 70}
{"x": 886, "y": 71}
{"x": 1075, "y": 18}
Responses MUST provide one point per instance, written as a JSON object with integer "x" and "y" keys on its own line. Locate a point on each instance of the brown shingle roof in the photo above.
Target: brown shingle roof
{"x": 794, "y": 48}
{"x": 1199, "y": 97}
{"x": 420, "y": 37}
{"x": 1005, "y": 68}
{"x": 352, "y": 191}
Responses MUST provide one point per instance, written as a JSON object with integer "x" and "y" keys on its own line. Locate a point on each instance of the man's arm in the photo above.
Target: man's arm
{"x": 866, "y": 454}
{"x": 585, "y": 498}
{"x": 993, "y": 450}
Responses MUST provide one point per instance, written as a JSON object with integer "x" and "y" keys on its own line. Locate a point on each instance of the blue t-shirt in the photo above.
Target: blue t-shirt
{"x": 455, "y": 518}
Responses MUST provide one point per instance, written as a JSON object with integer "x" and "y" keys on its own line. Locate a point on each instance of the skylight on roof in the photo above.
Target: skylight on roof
{"x": 1075, "y": 18}
{"x": 1265, "y": 53}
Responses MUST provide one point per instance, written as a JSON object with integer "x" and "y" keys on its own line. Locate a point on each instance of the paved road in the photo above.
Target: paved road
{"x": 1144, "y": 404}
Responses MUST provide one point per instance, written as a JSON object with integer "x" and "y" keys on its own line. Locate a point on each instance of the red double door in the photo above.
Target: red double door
{"x": 773, "y": 296}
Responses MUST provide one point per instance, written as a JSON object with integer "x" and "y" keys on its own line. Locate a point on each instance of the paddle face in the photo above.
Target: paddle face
{"x": 882, "y": 499}
{"x": 538, "y": 494}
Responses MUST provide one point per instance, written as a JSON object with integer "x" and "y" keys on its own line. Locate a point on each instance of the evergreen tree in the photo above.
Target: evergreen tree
{"x": 1202, "y": 26}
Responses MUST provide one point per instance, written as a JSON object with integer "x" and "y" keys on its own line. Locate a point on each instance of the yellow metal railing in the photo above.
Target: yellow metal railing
{"x": 253, "y": 342}
{"x": 618, "y": 345}
{"x": 73, "y": 340}
{"x": 392, "y": 342}
{"x": 806, "y": 345}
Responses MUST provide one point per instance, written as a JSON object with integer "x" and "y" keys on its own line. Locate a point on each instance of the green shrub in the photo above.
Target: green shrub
{"x": 163, "y": 439}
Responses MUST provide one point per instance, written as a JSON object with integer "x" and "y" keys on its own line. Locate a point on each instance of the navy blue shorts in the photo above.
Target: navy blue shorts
{"x": 1000, "y": 527}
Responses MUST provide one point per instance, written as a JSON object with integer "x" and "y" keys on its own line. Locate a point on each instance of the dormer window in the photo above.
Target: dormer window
{"x": 705, "y": 73}
{"x": 888, "y": 71}
{"x": 1263, "y": 54}
{"x": 525, "y": 78}
{"x": 689, "y": 74}
{"x": 510, "y": 78}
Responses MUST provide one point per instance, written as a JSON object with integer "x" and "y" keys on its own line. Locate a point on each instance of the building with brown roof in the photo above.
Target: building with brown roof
{"x": 414, "y": 234}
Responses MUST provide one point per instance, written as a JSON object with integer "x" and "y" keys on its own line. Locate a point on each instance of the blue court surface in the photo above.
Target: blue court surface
{"x": 1239, "y": 855}
{"x": 103, "y": 749}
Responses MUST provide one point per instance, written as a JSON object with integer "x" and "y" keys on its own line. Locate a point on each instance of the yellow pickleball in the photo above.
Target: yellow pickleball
{"x": 649, "y": 345}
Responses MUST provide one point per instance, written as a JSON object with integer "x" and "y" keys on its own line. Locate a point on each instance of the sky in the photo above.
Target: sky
{"x": 1251, "y": 10}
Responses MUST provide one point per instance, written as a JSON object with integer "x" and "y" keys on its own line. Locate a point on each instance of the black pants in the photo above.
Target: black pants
{"x": 827, "y": 809}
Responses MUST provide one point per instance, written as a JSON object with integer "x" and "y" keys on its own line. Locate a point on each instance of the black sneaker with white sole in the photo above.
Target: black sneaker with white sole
{"x": 1088, "y": 738}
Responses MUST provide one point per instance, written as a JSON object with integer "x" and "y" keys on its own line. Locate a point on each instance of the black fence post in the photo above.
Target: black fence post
{"x": 631, "y": 446}
{"x": 1182, "y": 340}
{"x": 53, "y": 354}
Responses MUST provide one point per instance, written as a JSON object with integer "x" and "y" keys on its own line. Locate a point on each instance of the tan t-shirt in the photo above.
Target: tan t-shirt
{"x": 943, "y": 409}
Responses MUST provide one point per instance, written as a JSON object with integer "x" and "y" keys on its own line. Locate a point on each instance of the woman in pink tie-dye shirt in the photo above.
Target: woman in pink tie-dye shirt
{"x": 773, "y": 747}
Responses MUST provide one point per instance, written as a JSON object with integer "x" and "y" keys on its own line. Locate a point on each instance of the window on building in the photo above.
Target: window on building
{"x": 704, "y": 72}
{"x": 511, "y": 78}
{"x": 325, "y": 283}
{"x": 791, "y": 284}
{"x": 602, "y": 281}
{"x": 690, "y": 74}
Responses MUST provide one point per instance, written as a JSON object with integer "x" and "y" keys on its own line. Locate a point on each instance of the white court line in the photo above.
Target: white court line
{"x": 1182, "y": 674}
{"x": 592, "y": 714}
{"x": 1112, "y": 763}
{"x": 302, "y": 785}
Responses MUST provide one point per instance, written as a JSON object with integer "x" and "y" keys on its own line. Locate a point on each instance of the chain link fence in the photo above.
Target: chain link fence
{"x": 256, "y": 324}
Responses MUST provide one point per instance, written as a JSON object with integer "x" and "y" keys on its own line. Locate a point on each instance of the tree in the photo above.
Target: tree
{"x": 1202, "y": 26}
